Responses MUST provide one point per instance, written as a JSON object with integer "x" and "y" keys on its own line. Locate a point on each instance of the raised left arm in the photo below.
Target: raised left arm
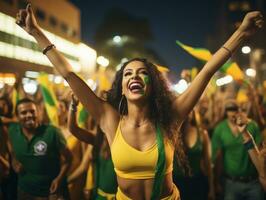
{"x": 80, "y": 133}
{"x": 84, "y": 165}
{"x": 185, "y": 102}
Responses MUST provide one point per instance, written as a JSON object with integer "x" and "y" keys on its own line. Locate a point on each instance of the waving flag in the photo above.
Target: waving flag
{"x": 242, "y": 96}
{"x": 193, "y": 72}
{"x": 14, "y": 98}
{"x": 230, "y": 68}
{"x": 200, "y": 53}
{"x": 82, "y": 116}
{"x": 162, "y": 68}
{"x": 49, "y": 98}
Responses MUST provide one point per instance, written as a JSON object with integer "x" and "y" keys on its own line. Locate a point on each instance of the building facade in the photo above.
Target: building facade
{"x": 19, "y": 53}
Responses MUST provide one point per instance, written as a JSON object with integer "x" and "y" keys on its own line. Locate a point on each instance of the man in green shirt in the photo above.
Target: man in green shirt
{"x": 241, "y": 178}
{"x": 40, "y": 155}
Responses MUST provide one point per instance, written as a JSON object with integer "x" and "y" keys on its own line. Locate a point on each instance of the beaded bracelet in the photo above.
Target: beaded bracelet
{"x": 228, "y": 50}
{"x": 249, "y": 145}
{"x": 48, "y": 48}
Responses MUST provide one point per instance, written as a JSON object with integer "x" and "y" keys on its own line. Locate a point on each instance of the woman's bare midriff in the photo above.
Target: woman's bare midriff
{"x": 141, "y": 189}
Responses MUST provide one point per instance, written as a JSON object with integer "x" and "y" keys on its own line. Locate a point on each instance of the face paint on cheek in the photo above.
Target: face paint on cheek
{"x": 147, "y": 80}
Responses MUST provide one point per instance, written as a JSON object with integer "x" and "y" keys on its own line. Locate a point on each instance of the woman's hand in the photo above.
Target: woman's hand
{"x": 26, "y": 20}
{"x": 251, "y": 23}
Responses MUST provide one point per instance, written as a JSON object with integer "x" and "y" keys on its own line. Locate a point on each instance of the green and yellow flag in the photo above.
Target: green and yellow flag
{"x": 82, "y": 116}
{"x": 200, "y": 53}
{"x": 230, "y": 68}
{"x": 242, "y": 96}
{"x": 211, "y": 87}
{"x": 162, "y": 68}
{"x": 193, "y": 73}
{"x": 49, "y": 98}
{"x": 14, "y": 98}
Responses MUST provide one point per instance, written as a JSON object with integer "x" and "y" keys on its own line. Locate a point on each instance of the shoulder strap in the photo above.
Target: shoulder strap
{"x": 160, "y": 167}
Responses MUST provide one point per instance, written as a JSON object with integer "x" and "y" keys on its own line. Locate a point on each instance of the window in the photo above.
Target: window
{"x": 53, "y": 21}
{"x": 40, "y": 14}
{"x": 64, "y": 28}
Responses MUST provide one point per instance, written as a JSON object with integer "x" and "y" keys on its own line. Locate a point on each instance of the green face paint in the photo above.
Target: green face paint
{"x": 147, "y": 80}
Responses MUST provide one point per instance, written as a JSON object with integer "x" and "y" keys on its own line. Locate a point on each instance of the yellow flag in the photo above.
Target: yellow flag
{"x": 50, "y": 101}
{"x": 200, "y": 53}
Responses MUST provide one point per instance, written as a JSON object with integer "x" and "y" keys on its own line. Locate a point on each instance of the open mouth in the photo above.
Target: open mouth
{"x": 136, "y": 87}
{"x": 29, "y": 121}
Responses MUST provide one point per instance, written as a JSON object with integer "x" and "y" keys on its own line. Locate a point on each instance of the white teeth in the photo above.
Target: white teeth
{"x": 135, "y": 85}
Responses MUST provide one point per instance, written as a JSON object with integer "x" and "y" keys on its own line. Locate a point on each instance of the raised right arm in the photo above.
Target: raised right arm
{"x": 73, "y": 127}
{"x": 100, "y": 110}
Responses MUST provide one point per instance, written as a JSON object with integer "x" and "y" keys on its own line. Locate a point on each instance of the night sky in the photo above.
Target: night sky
{"x": 188, "y": 21}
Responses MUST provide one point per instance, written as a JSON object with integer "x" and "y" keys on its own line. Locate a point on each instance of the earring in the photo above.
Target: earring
{"x": 122, "y": 106}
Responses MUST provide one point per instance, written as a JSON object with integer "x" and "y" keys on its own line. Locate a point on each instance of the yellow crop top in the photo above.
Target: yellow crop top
{"x": 134, "y": 164}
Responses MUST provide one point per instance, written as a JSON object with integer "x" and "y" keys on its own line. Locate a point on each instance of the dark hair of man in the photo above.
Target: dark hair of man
{"x": 24, "y": 100}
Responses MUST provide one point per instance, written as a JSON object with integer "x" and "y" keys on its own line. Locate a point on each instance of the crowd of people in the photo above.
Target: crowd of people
{"x": 141, "y": 140}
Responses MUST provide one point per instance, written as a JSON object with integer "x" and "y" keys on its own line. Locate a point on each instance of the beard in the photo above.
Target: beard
{"x": 30, "y": 124}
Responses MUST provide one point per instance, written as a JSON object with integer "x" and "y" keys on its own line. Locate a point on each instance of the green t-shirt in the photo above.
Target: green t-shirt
{"x": 236, "y": 160}
{"x": 40, "y": 157}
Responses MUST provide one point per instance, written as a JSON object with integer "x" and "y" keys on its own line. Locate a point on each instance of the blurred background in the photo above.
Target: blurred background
{"x": 97, "y": 36}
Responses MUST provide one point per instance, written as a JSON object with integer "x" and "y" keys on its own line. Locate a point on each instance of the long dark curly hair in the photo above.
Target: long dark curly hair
{"x": 160, "y": 105}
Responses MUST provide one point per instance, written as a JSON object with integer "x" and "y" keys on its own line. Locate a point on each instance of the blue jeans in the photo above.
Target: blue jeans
{"x": 235, "y": 190}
